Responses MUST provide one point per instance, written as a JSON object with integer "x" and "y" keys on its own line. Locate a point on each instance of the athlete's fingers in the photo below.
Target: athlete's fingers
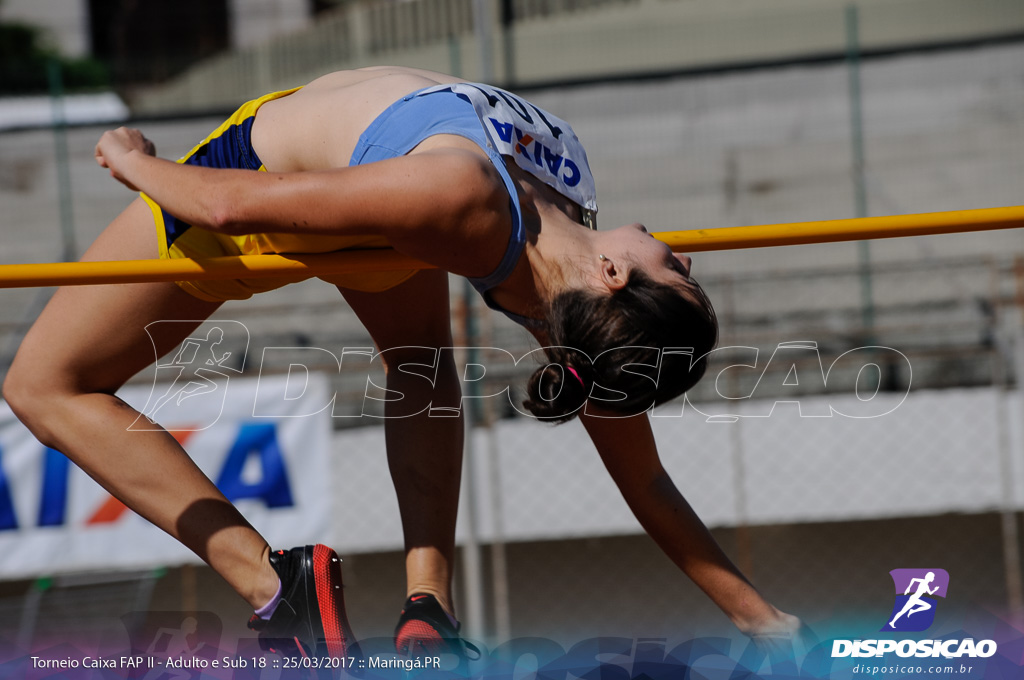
{"x": 100, "y": 158}
{"x": 115, "y": 143}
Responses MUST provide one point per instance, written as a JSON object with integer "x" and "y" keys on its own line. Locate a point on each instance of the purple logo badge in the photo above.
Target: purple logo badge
{"x": 916, "y": 590}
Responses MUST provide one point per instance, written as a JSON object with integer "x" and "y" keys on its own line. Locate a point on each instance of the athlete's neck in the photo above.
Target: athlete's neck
{"x": 557, "y": 248}
{"x": 560, "y": 254}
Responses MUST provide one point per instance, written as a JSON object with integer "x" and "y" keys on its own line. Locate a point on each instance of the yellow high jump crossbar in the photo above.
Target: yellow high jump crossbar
{"x": 694, "y": 241}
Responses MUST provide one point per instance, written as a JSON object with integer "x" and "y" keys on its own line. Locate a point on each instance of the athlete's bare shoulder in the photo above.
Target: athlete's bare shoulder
{"x": 318, "y": 126}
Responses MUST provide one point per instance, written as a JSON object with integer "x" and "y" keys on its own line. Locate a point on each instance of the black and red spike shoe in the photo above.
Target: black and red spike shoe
{"x": 310, "y": 619}
{"x": 425, "y": 629}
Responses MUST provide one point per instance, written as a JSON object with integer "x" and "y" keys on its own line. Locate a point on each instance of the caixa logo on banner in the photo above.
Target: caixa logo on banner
{"x": 243, "y": 456}
{"x": 253, "y": 467}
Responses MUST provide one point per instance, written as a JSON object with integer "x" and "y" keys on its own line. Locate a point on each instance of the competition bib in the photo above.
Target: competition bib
{"x": 541, "y": 143}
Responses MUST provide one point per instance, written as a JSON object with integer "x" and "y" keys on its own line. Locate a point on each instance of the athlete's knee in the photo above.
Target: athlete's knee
{"x": 22, "y": 394}
{"x": 399, "y": 361}
{"x": 424, "y": 376}
{"x": 20, "y": 388}
{"x": 34, "y": 398}
{"x": 447, "y": 375}
{"x": 410, "y": 366}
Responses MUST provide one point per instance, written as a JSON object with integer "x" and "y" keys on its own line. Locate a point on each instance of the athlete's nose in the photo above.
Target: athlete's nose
{"x": 686, "y": 261}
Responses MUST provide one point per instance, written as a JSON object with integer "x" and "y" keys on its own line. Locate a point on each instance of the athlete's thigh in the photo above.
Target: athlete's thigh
{"x": 93, "y": 338}
{"x": 413, "y": 313}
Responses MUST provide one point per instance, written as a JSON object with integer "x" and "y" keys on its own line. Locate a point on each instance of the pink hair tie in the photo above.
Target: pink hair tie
{"x": 573, "y": 371}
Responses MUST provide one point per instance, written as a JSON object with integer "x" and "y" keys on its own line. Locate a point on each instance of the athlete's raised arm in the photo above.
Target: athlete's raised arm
{"x": 439, "y": 190}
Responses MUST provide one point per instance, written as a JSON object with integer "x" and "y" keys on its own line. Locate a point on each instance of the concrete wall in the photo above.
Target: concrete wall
{"x": 256, "y": 21}
{"x": 612, "y": 40}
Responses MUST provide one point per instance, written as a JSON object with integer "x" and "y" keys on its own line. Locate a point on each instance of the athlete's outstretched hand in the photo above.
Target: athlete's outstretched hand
{"x": 114, "y": 145}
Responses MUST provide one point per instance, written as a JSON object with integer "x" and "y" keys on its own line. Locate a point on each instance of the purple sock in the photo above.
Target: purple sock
{"x": 267, "y": 610}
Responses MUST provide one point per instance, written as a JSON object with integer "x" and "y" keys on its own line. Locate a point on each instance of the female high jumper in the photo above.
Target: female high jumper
{"x": 463, "y": 176}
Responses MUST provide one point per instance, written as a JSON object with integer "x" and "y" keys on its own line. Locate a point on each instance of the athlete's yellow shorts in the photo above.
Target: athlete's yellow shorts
{"x": 229, "y": 146}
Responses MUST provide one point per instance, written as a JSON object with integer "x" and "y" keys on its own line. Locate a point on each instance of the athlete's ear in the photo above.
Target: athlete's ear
{"x": 613, "y": 276}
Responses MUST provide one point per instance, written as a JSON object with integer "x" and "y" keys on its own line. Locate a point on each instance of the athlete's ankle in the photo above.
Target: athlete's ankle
{"x": 772, "y": 622}
{"x": 265, "y": 584}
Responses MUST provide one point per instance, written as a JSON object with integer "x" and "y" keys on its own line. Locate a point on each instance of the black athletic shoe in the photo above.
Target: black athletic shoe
{"x": 310, "y": 618}
{"x": 424, "y": 629}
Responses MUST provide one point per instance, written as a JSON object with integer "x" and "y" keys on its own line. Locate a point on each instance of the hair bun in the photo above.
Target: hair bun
{"x": 555, "y": 394}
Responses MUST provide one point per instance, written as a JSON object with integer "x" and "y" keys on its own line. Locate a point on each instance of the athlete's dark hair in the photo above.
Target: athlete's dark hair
{"x": 599, "y": 336}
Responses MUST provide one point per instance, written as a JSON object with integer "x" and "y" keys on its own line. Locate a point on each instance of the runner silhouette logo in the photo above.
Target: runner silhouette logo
{"x": 916, "y": 590}
{"x": 190, "y": 384}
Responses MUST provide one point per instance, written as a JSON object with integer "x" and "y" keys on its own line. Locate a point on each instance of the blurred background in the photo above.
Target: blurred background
{"x": 695, "y": 114}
